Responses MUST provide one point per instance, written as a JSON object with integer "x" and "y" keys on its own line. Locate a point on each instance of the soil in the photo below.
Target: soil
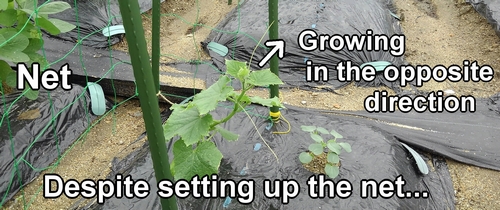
{"x": 437, "y": 32}
{"x": 318, "y": 163}
{"x": 456, "y": 32}
{"x": 6, "y": 89}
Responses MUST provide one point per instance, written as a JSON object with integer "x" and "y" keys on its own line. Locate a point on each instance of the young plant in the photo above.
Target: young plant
{"x": 194, "y": 152}
{"x": 318, "y": 148}
{"x": 21, "y": 38}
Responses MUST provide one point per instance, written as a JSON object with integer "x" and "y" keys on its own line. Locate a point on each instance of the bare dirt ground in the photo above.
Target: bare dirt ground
{"x": 437, "y": 32}
{"x": 451, "y": 33}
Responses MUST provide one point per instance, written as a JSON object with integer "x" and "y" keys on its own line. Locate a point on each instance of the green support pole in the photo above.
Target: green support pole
{"x": 155, "y": 48}
{"x": 139, "y": 56}
{"x": 274, "y": 63}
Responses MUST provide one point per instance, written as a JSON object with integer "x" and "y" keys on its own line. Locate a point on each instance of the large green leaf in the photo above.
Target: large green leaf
{"x": 46, "y": 25}
{"x": 233, "y": 67}
{"x": 17, "y": 42}
{"x": 333, "y": 146}
{"x": 29, "y": 30}
{"x": 316, "y": 148}
{"x": 336, "y": 135}
{"x": 208, "y": 99}
{"x": 331, "y": 171}
{"x": 188, "y": 124}
{"x": 53, "y": 8}
{"x": 322, "y": 130}
{"x": 269, "y": 102}
{"x": 11, "y": 80}
{"x": 31, "y": 94}
{"x": 28, "y": 4}
{"x": 5, "y": 70}
{"x": 263, "y": 78}
{"x": 28, "y": 7}
{"x": 333, "y": 158}
{"x": 188, "y": 162}
{"x": 346, "y": 146}
{"x": 62, "y": 25}
{"x": 23, "y": 21}
{"x": 14, "y": 56}
{"x": 29, "y": 12}
{"x": 242, "y": 74}
{"x": 4, "y": 4}
{"x": 228, "y": 135}
{"x": 317, "y": 138}
{"x": 35, "y": 57}
{"x": 12, "y": 49}
{"x": 8, "y": 17}
{"x": 308, "y": 128}
{"x": 305, "y": 157}
{"x": 34, "y": 45}
{"x": 54, "y": 26}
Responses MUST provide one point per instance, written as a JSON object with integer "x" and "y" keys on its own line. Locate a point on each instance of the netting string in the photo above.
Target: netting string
{"x": 164, "y": 98}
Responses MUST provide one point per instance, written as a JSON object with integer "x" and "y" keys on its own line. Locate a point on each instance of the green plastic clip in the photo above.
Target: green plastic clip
{"x": 395, "y": 16}
{"x": 218, "y": 48}
{"x": 422, "y": 166}
{"x": 113, "y": 30}
{"x": 378, "y": 65}
{"x": 97, "y": 99}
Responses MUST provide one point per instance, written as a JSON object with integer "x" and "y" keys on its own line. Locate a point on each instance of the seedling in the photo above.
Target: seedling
{"x": 196, "y": 126}
{"x": 320, "y": 148}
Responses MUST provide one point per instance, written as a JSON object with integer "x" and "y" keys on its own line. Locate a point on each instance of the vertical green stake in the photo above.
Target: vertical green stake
{"x": 155, "y": 48}
{"x": 139, "y": 56}
{"x": 273, "y": 34}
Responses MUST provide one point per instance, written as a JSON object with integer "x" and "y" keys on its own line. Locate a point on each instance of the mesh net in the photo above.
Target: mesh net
{"x": 51, "y": 110}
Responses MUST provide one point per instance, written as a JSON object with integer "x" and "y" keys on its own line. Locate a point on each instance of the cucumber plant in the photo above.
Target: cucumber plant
{"x": 317, "y": 149}
{"x": 194, "y": 152}
{"x": 21, "y": 37}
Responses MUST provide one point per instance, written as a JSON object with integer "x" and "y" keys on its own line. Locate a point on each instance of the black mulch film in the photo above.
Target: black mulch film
{"x": 375, "y": 138}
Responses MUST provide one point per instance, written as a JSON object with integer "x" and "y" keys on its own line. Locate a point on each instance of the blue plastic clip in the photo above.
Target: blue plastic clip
{"x": 228, "y": 199}
{"x": 269, "y": 125}
{"x": 227, "y": 202}
{"x": 257, "y": 146}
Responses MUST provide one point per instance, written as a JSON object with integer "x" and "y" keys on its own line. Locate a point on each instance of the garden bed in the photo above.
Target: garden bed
{"x": 437, "y": 32}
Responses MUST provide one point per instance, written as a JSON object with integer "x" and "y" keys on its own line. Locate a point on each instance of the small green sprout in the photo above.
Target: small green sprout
{"x": 316, "y": 149}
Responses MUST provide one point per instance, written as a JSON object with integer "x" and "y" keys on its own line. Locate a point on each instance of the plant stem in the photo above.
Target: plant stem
{"x": 211, "y": 136}
{"x": 273, "y": 34}
{"x": 155, "y": 46}
{"x": 139, "y": 56}
{"x": 235, "y": 108}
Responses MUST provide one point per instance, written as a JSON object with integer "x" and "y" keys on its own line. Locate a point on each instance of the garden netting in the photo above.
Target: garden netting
{"x": 38, "y": 132}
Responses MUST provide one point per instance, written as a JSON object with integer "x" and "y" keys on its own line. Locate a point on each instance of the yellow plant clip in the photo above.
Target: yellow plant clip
{"x": 275, "y": 116}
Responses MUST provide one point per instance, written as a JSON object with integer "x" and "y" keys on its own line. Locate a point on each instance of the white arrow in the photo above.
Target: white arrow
{"x": 278, "y": 46}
